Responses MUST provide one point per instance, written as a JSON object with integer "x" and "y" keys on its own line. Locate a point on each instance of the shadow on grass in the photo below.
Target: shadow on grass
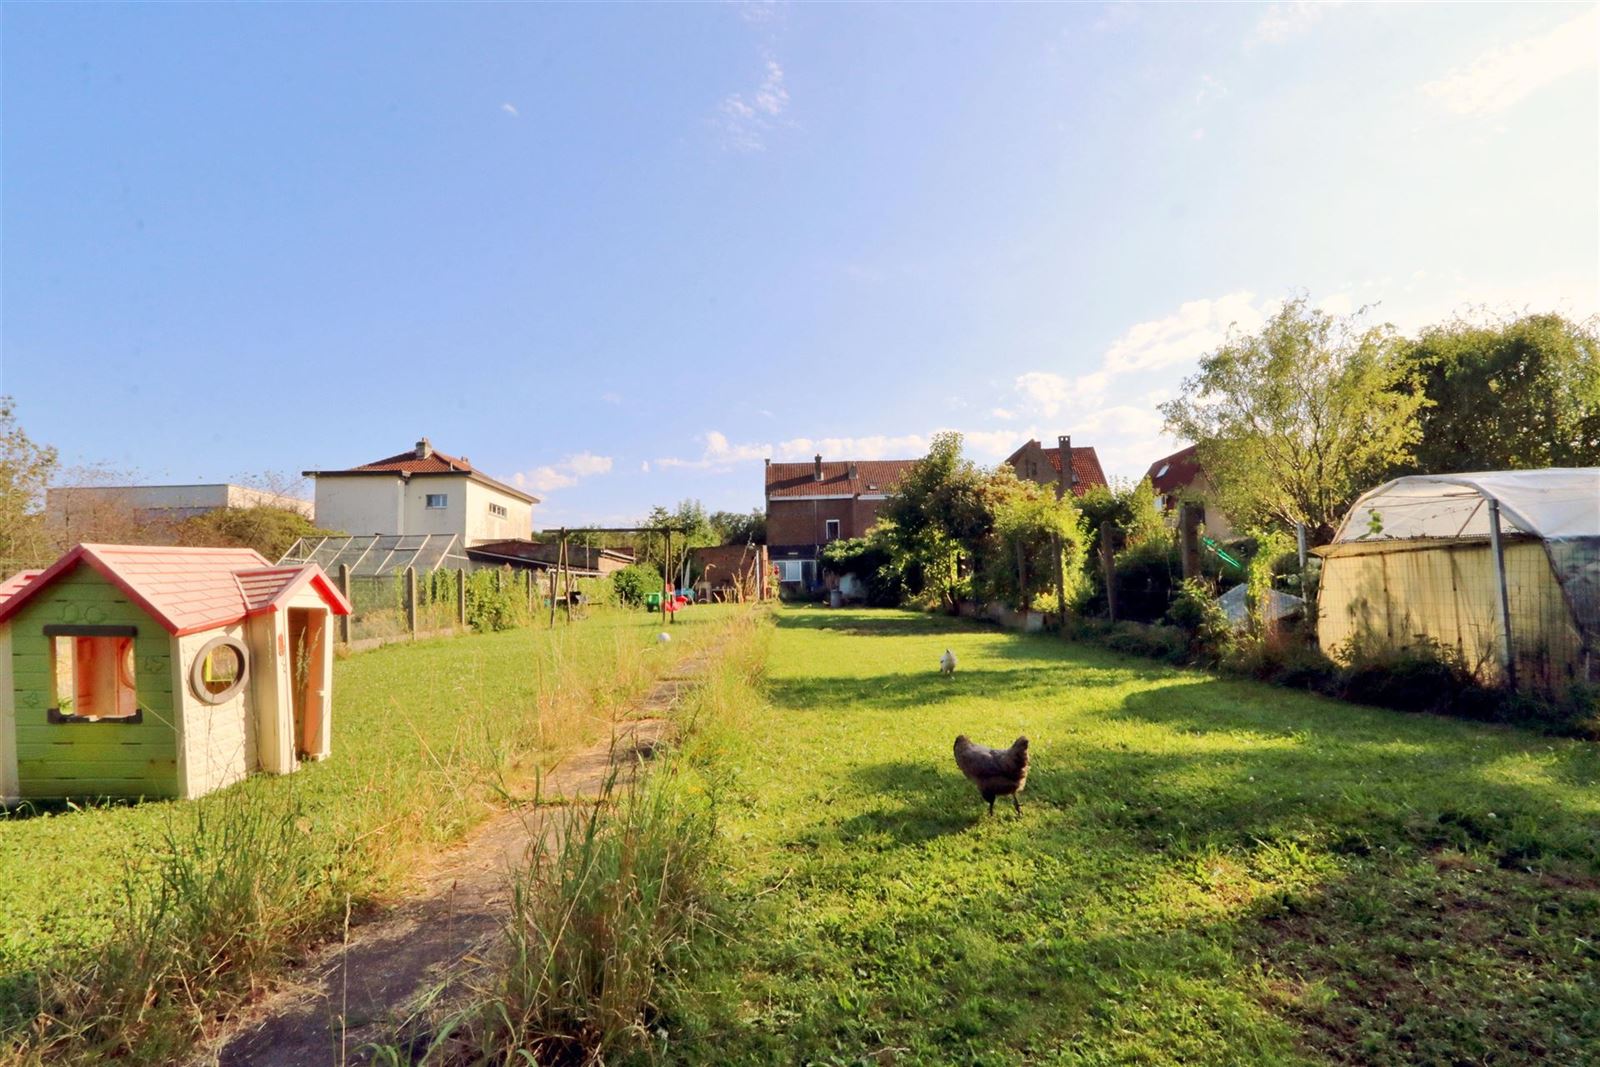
{"x": 917, "y": 804}
{"x": 890, "y": 692}
{"x": 864, "y": 622}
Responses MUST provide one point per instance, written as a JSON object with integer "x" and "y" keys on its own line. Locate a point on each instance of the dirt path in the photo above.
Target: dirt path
{"x": 354, "y": 991}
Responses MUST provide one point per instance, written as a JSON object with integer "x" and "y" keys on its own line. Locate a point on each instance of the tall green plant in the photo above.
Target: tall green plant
{"x": 1294, "y": 421}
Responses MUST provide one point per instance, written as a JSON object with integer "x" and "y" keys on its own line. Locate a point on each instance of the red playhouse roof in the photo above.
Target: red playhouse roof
{"x": 13, "y": 585}
{"x": 186, "y": 590}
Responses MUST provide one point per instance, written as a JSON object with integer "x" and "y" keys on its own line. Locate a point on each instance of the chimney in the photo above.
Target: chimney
{"x": 855, "y": 472}
{"x": 424, "y": 449}
{"x": 817, "y": 473}
{"x": 1064, "y": 444}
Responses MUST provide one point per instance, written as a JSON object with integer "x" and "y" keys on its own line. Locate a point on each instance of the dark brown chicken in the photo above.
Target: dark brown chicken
{"x": 997, "y": 772}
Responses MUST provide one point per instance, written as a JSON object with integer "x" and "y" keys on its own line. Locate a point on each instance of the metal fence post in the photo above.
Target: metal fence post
{"x": 344, "y": 587}
{"x": 461, "y": 596}
{"x": 411, "y": 601}
{"x": 1508, "y": 662}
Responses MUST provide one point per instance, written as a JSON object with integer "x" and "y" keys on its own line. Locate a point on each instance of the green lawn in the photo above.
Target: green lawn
{"x": 424, "y": 737}
{"x": 1205, "y": 871}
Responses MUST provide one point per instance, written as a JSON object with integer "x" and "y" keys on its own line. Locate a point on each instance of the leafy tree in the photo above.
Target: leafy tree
{"x": 1508, "y": 395}
{"x": 1292, "y": 423}
{"x": 1030, "y": 526}
{"x": 269, "y": 530}
{"x": 739, "y": 528}
{"x": 26, "y": 468}
{"x": 936, "y": 516}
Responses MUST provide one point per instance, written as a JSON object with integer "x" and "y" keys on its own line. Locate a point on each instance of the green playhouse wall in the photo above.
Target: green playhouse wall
{"x": 93, "y": 758}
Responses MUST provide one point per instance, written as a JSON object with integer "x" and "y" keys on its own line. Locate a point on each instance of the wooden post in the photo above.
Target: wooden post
{"x": 533, "y": 586}
{"x": 1508, "y": 662}
{"x": 1108, "y": 555}
{"x": 461, "y": 597}
{"x": 566, "y": 574}
{"x": 411, "y": 601}
{"x": 552, "y": 572}
{"x": 1022, "y": 579}
{"x": 1189, "y": 538}
{"x": 1061, "y": 585}
{"x": 666, "y": 576}
{"x": 344, "y": 587}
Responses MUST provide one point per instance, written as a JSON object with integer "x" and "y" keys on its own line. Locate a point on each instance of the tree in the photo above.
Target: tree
{"x": 936, "y": 515}
{"x": 26, "y": 469}
{"x": 1508, "y": 395}
{"x": 271, "y": 531}
{"x": 1294, "y": 422}
{"x": 1031, "y": 526}
{"x": 739, "y": 527}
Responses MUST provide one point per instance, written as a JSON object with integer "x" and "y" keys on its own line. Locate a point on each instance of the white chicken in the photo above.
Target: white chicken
{"x": 947, "y": 662}
{"x": 663, "y": 637}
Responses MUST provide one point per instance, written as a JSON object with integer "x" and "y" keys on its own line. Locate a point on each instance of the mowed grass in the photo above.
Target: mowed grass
{"x": 427, "y": 738}
{"x": 1205, "y": 871}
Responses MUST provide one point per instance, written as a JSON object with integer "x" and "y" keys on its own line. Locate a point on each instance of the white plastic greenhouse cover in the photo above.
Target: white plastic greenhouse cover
{"x": 1558, "y": 505}
{"x": 1552, "y": 504}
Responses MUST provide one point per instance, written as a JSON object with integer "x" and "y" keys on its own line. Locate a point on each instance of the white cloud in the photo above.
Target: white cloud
{"x": 747, "y": 117}
{"x": 1281, "y": 22}
{"x": 1195, "y": 328}
{"x": 611, "y": 398}
{"x": 510, "y": 109}
{"x": 717, "y": 453}
{"x": 1500, "y": 77}
{"x": 568, "y": 472}
{"x": 1199, "y": 134}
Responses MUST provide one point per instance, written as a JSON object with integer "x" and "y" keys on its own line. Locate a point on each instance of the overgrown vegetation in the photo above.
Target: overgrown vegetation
{"x": 606, "y": 930}
{"x": 269, "y": 530}
{"x": 428, "y": 736}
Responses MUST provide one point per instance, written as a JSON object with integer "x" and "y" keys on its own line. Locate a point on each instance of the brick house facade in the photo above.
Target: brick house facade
{"x": 811, "y": 504}
{"x": 1035, "y": 463}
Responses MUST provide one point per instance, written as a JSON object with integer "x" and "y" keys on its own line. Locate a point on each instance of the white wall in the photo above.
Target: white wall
{"x": 482, "y": 525}
{"x": 216, "y": 741}
{"x": 361, "y": 504}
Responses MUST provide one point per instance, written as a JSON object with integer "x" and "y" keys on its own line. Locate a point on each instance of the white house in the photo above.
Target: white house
{"x": 422, "y": 492}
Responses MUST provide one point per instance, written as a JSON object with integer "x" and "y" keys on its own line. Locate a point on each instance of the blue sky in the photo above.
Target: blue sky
{"x": 619, "y": 253}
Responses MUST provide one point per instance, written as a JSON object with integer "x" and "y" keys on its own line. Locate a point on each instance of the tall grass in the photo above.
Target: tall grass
{"x": 604, "y": 922}
{"x": 215, "y": 896}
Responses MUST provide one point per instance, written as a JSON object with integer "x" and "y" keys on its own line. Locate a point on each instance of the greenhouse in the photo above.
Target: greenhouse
{"x": 379, "y": 555}
{"x": 1500, "y": 568}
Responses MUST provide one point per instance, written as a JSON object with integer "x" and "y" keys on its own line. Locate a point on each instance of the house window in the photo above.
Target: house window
{"x": 219, "y": 671}
{"x": 93, "y": 671}
{"x": 497, "y": 510}
{"x": 831, "y": 530}
{"x": 794, "y": 570}
{"x": 438, "y": 500}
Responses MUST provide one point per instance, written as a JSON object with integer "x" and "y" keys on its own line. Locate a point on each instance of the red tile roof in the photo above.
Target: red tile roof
{"x": 798, "y": 480}
{"x": 1085, "y": 465}
{"x": 1177, "y": 471}
{"x": 409, "y": 464}
{"x": 187, "y": 590}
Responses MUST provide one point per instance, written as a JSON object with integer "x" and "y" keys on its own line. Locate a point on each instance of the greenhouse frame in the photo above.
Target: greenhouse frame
{"x": 1499, "y": 568}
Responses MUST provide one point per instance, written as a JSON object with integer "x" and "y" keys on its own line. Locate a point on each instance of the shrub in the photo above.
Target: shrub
{"x": 632, "y": 583}
{"x": 1196, "y": 612}
{"x": 1424, "y": 677}
{"x": 1147, "y": 576}
{"x": 872, "y": 563}
{"x": 1166, "y": 643}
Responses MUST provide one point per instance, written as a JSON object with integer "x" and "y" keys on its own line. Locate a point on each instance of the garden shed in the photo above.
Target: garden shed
{"x": 1501, "y": 567}
{"x": 156, "y": 671}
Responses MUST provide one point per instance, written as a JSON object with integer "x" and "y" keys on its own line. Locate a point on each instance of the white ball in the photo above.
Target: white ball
{"x": 663, "y": 638}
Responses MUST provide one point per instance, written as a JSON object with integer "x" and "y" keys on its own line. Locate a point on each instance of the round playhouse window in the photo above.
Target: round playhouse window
{"x": 219, "y": 670}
